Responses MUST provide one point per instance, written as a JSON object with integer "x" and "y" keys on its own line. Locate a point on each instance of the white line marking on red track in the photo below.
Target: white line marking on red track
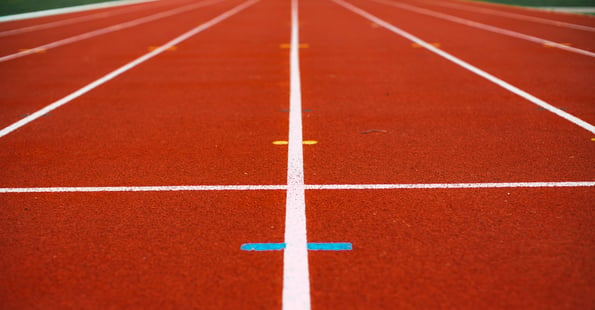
{"x": 72, "y": 9}
{"x": 296, "y": 278}
{"x": 451, "y": 185}
{"x": 512, "y": 15}
{"x": 125, "y": 68}
{"x": 513, "y": 89}
{"x": 190, "y": 188}
{"x": 112, "y": 28}
{"x": 193, "y": 188}
{"x": 486, "y": 27}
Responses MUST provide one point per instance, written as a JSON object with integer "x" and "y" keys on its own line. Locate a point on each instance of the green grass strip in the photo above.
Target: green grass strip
{"x": 10, "y": 7}
{"x": 561, "y": 3}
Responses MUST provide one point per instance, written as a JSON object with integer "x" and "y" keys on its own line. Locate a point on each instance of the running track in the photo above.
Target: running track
{"x": 457, "y": 161}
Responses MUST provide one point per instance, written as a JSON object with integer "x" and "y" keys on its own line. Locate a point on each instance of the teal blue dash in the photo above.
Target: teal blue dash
{"x": 312, "y": 246}
{"x": 262, "y": 246}
{"x": 330, "y": 246}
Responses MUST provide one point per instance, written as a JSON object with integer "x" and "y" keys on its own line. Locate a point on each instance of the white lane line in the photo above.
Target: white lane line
{"x": 296, "y": 278}
{"x": 72, "y": 9}
{"x": 512, "y": 15}
{"x": 112, "y": 28}
{"x": 450, "y": 185}
{"x": 486, "y": 27}
{"x": 513, "y": 89}
{"x": 568, "y": 9}
{"x": 192, "y": 188}
{"x": 73, "y": 20}
{"x": 125, "y": 68}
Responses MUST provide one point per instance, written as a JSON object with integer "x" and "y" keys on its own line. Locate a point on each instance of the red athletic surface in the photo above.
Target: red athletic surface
{"x": 207, "y": 112}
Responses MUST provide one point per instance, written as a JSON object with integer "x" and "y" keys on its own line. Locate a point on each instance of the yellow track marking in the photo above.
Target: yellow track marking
{"x": 287, "y": 45}
{"x": 284, "y": 142}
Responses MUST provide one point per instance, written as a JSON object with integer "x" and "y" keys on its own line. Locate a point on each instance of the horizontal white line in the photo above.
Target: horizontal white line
{"x": 72, "y": 9}
{"x": 487, "y": 27}
{"x": 284, "y": 187}
{"x": 450, "y": 185}
{"x": 143, "y": 188}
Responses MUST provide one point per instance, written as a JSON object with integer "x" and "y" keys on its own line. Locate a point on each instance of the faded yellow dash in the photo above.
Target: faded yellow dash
{"x": 415, "y": 45}
{"x": 33, "y": 50}
{"x": 592, "y": 139}
{"x": 171, "y": 48}
{"x": 283, "y": 142}
{"x": 287, "y": 45}
{"x": 553, "y": 44}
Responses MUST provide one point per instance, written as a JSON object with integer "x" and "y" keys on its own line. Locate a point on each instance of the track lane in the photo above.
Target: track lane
{"x": 557, "y": 77}
{"x": 52, "y": 38}
{"x": 211, "y": 121}
{"x": 567, "y": 37}
{"x": 82, "y": 16}
{"x": 206, "y": 113}
{"x": 140, "y": 250}
{"x": 63, "y": 70}
{"x": 435, "y": 122}
{"x": 456, "y": 249}
{"x": 574, "y": 37}
{"x": 520, "y": 13}
{"x": 385, "y": 111}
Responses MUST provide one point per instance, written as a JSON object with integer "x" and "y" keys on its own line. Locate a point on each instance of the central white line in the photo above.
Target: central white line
{"x": 124, "y": 68}
{"x": 296, "y": 278}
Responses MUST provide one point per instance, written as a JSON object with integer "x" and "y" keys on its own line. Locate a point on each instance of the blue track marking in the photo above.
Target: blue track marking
{"x": 312, "y": 246}
{"x": 329, "y": 246}
{"x": 262, "y": 246}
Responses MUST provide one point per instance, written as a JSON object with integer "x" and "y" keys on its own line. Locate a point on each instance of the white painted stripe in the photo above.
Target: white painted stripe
{"x": 72, "y": 9}
{"x": 568, "y": 9}
{"x": 101, "y": 31}
{"x": 486, "y": 27}
{"x": 513, "y": 89}
{"x": 175, "y": 188}
{"x": 534, "y": 19}
{"x": 449, "y": 185}
{"x": 296, "y": 278}
{"x": 143, "y": 188}
{"x": 125, "y": 68}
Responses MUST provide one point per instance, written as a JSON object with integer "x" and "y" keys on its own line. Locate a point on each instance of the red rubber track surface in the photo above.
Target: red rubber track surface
{"x": 126, "y": 250}
{"x": 576, "y": 38}
{"x": 434, "y": 112}
{"x": 113, "y": 16}
{"x": 381, "y": 110}
{"x": 532, "y": 12}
